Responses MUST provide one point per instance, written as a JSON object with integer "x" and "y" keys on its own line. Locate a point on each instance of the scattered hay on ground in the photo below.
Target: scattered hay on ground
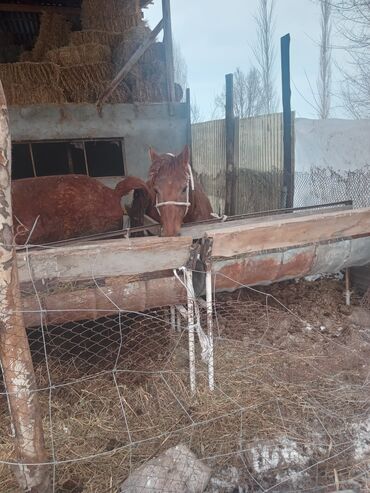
{"x": 287, "y": 408}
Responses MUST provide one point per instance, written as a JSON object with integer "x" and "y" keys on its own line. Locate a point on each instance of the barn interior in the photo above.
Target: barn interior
{"x": 56, "y": 60}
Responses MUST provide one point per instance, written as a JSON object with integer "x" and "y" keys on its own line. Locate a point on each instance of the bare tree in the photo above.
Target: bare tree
{"x": 324, "y": 79}
{"x": 247, "y": 95}
{"x": 181, "y": 78}
{"x": 354, "y": 22}
{"x": 264, "y": 52}
{"x": 180, "y": 67}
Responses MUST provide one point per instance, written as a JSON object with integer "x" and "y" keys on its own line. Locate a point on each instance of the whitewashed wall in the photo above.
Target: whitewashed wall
{"x": 332, "y": 161}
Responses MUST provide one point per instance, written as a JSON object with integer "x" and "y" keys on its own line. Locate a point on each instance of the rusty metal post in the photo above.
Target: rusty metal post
{"x": 15, "y": 356}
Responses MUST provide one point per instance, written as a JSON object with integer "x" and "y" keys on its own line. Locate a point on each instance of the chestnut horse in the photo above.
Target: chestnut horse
{"x": 173, "y": 196}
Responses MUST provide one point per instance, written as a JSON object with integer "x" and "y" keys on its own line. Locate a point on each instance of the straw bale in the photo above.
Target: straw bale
{"x": 29, "y": 73}
{"x": 117, "y": 15}
{"x": 25, "y": 94}
{"x": 79, "y": 54}
{"x": 54, "y": 33}
{"x": 85, "y": 75}
{"x": 94, "y": 36}
{"x": 134, "y": 38}
{"x": 90, "y": 92}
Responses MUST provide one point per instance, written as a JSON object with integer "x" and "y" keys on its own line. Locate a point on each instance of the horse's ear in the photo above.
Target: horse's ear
{"x": 154, "y": 156}
{"x": 185, "y": 155}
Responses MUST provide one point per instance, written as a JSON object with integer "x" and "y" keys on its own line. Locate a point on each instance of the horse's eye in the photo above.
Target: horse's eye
{"x": 155, "y": 190}
{"x": 184, "y": 189}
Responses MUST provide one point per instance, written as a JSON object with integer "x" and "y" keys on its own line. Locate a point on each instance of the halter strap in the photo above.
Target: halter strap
{"x": 189, "y": 186}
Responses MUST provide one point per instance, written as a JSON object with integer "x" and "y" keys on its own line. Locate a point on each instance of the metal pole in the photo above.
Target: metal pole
{"x": 288, "y": 178}
{"x": 15, "y": 355}
{"x": 211, "y": 379}
{"x": 230, "y": 148}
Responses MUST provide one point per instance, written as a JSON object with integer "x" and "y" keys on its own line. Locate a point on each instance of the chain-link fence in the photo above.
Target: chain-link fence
{"x": 326, "y": 185}
{"x": 289, "y": 410}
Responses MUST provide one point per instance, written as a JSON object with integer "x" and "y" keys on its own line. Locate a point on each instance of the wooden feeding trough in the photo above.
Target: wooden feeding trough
{"x": 138, "y": 274}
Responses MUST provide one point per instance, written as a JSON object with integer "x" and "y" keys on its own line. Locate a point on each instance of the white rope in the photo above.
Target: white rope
{"x": 223, "y": 217}
{"x": 205, "y": 341}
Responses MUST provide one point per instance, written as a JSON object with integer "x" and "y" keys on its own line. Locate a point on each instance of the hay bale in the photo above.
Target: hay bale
{"x": 117, "y": 15}
{"x": 84, "y": 75}
{"x": 25, "y": 94}
{"x": 79, "y": 54}
{"x": 90, "y": 92}
{"x": 29, "y": 73}
{"x": 134, "y": 37}
{"x": 93, "y": 36}
{"x": 54, "y": 33}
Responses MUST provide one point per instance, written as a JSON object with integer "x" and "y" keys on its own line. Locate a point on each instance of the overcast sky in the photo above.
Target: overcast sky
{"x": 216, "y": 36}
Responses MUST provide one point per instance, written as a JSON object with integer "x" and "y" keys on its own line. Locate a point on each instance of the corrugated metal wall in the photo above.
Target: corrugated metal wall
{"x": 209, "y": 158}
{"x": 259, "y": 160}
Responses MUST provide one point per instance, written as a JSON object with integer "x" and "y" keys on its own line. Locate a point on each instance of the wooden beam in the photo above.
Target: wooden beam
{"x": 289, "y": 231}
{"x": 15, "y": 356}
{"x": 129, "y": 65}
{"x": 168, "y": 47}
{"x": 189, "y": 139}
{"x": 16, "y": 7}
{"x": 230, "y": 198}
{"x": 105, "y": 259}
{"x": 288, "y": 175}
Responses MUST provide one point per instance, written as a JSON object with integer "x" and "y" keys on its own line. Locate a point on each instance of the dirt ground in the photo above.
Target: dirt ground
{"x": 290, "y": 409}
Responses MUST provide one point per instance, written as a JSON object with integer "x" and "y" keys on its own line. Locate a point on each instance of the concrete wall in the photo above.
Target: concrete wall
{"x": 141, "y": 126}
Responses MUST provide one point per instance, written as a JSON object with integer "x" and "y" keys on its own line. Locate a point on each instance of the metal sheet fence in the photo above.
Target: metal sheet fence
{"x": 209, "y": 157}
{"x": 258, "y": 157}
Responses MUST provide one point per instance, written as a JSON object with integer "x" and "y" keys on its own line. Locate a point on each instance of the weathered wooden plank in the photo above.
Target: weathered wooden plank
{"x": 104, "y": 259}
{"x": 92, "y": 303}
{"x": 289, "y": 231}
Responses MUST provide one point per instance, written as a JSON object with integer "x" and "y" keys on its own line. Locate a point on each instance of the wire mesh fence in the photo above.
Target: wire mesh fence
{"x": 289, "y": 410}
{"x": 326, "y": 185}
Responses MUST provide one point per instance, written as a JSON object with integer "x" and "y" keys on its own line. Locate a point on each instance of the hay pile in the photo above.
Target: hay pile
{"x": 79, "y": 54}
{"x": 31, "y": 83}
{"x": 117, "y": 15}
{"x": 54, "y": 33}
{"x": 78, "y": 66}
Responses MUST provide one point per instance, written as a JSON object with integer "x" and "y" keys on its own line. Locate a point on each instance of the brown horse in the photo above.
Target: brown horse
{"x": 174, "y": 196}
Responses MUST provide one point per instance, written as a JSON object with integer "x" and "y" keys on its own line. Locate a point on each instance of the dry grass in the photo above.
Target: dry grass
{"x": 274, "y": 378}
{"x": 79, "y": 54}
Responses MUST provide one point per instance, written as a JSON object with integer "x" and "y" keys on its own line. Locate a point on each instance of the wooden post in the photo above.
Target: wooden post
{"x": 168, "y": 47}
{"x": 188, "y": 123}
{"x": 230, "y": 199}
{"x": 288, "y": 178}
{"x": 15, "y": 356}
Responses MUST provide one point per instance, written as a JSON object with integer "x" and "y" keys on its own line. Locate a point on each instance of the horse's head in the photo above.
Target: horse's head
{"x": 172, "y": 182}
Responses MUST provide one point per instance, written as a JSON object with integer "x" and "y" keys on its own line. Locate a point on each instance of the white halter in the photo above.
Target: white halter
{"x": 189, "y": 186}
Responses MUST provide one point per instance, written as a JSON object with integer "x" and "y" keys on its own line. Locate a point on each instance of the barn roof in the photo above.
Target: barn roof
{"x": 21, "y": 18}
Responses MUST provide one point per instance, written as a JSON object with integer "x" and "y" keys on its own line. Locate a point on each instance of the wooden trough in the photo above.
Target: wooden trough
{"x": 137, "y": 274}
